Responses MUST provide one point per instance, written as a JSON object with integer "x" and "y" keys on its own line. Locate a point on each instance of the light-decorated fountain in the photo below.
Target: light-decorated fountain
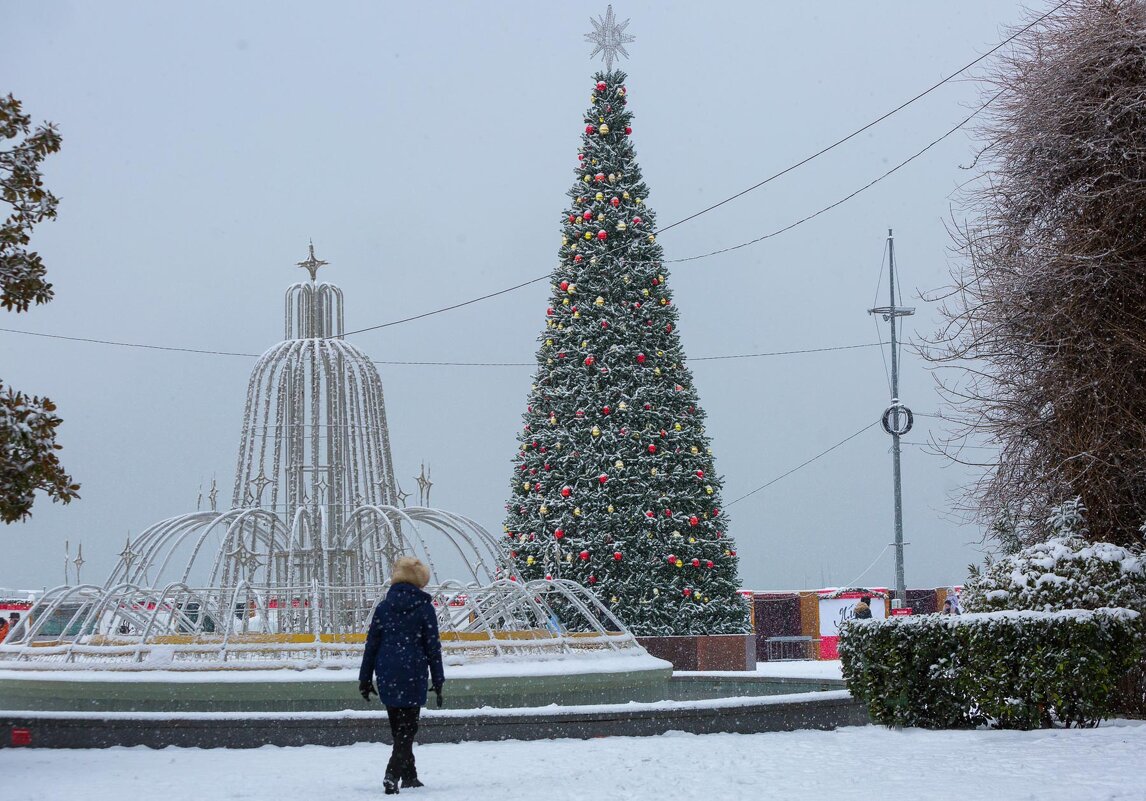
{"x": 288, "y": 577}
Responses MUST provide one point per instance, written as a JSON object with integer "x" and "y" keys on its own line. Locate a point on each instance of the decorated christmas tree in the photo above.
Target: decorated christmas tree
{"x": 614, "y": 484}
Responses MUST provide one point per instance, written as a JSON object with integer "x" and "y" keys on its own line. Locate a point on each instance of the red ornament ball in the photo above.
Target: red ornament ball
{"x": 700, "y": 474}
{"x": 577, "y": 260}
{"x": 648, "y": 406}
{"x": 604, "y": 323}
{"x": 708, "y": 564}
{"x": 601, "y": 86}
{"x": 564, "y": 285}
{"x": 687, "y": 592}
{"x": 615, "y": 202}
{"x": 558, "y": 534}
{"x": 650, "y": 514}
{"x": 668, "y": 512}
{"x": 566, "y": 492}
{"x": 589, "y": 361}
{"x": 588, "y": 215}
{"x": 548, "y": 577}
{"x": 637, "y": 221}
{"x": 599, "y": 177}
{"x": 589, "y": 129}
{"x": 606, "y": 410}
{"x": 592, "y": 579}
{"x": 584, "y": 556}
{"x": 602, "y": 235}
{"x": 572, "y": 218}
{"x": 549, "y": 312}
{"x": 602, "y": 478}
{"x": 641, "y": 360}
{"x": 672, "y": 558}
{"x": 580, "y": 156}
{"x": 652, "y": 448}
{"x": 716, "y": 513}
{"x": 696, "y": 563}
{"x": 628, "y": 130}
{"x": 616, "y": 556}
{"x": 694, "y": 520}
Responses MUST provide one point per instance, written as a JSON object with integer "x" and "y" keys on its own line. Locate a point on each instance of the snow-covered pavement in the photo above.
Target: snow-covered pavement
{"x": 859, "y": 762}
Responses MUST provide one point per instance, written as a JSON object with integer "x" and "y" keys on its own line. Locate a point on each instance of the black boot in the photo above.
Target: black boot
{"x": 390, "y": 783}
{"x": 411, "y": 781}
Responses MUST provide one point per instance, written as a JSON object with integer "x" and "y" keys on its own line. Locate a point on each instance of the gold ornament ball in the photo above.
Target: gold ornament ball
{"x": 596, "y": 431}
{"x": 604, "y": 129}
{"x": 619, "y": 464}
{"x": 544, "y": 509}
{"x": 609, "y": 508}
{"x": 600, "y": 301}
{"x": 694, "y": 449}
{"x": 577, "y": 511}
{"x": 588, "y": 235}
{"x": 679, "y": 563}
{"x": 676, "y": 426}
{"x": 529, "y": 560}
{"x": 525, "y": 485}
{"x": 600, "y": 196}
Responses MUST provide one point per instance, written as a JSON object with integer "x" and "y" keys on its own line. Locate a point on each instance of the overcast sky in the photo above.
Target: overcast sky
{"x": 426, "y": 149}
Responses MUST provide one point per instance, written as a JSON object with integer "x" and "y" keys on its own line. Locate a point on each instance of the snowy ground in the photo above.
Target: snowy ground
{"x": 858, "y": 762}
{"x": 863, "y": 762}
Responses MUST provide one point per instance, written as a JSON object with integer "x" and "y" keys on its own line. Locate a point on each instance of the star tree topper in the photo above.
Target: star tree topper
{"x": 609, "y": 38}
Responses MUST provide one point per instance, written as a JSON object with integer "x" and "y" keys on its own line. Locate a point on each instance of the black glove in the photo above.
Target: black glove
{"x": 366, "y": 689}
{"x": 438, "y": 693}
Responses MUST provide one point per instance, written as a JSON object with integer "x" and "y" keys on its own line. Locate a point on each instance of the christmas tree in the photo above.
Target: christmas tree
{"x": 614, "y": 484}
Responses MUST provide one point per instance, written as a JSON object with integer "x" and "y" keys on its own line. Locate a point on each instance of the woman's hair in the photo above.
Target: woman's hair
{"x": 409, "y": 570}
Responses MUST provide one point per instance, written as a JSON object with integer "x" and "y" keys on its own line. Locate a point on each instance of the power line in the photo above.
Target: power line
{"x": 805, "y": 464}
{"x": 448, "y": 308}
{"x": 842, "y": 200}
{"x": 421, "y": 363}
{"x": 767, "y": 180}
{"x": 871, "y": 124}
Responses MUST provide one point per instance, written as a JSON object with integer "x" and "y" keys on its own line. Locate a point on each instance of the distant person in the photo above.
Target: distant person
{"x": 401, "y": 646}
{"x": 950, "y": 607}
{"x": 5, "y": 627}
{"x": 862, "y": 610}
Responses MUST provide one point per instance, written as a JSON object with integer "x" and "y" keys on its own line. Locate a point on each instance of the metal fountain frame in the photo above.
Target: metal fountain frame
{"x": 290, "y": 574}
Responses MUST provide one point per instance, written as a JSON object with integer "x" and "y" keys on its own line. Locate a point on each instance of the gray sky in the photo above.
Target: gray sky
{"x": 427, "y": 154}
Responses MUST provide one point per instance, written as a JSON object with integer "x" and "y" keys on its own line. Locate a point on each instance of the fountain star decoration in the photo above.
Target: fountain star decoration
{"x": 609, "y": 38}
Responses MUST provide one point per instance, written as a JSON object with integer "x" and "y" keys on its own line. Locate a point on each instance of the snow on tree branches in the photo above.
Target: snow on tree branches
{"x": 1046, "y": 315}
{"x": 614, "y": 484}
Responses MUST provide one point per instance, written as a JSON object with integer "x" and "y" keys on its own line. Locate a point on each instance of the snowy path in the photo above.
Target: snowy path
{"x": 863, "y": 762}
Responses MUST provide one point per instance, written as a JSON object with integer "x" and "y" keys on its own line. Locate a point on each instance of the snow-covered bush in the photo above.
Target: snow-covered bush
{"x": 1065, "y": 572}
{"x": 1014, "y": 670}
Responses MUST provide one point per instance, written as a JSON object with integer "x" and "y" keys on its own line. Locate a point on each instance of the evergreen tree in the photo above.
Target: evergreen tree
{"x": 614, "y": 484}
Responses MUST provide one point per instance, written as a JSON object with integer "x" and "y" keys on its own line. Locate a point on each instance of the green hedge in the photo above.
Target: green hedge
{"x": 1008, "y": 670}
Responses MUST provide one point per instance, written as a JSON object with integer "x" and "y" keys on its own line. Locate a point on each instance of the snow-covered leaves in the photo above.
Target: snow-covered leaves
{"x": 21, "y": 188}
{"x": 1014, "y": 670}
{"x": 28, "y": 459}
{"x": 1064, "y": 572}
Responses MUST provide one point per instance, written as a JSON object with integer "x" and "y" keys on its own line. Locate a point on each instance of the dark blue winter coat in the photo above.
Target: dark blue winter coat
{"x": 402, "y": 645}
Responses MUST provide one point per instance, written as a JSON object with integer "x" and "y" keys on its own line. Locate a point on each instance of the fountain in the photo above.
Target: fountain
{"x": 264, "y": 606}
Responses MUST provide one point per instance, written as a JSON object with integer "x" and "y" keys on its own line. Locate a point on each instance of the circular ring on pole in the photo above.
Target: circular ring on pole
{"x": 902, "y": 417}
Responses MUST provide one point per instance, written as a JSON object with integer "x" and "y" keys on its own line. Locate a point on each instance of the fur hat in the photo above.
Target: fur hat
{"x": 409, "y": 570}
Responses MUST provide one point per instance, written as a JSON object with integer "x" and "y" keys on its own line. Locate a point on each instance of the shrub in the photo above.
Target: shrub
{"x": 1009, "y": 669}
{"x": 1065, "y": 572}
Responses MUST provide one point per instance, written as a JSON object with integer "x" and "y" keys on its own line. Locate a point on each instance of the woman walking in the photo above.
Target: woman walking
{"x": 401, "y": 646}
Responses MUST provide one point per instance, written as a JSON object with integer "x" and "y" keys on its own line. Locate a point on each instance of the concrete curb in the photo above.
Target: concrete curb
{"x": 47, "y": 730}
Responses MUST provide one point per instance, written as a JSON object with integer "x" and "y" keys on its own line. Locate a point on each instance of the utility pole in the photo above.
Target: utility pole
{"x": 897, "y": 418}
